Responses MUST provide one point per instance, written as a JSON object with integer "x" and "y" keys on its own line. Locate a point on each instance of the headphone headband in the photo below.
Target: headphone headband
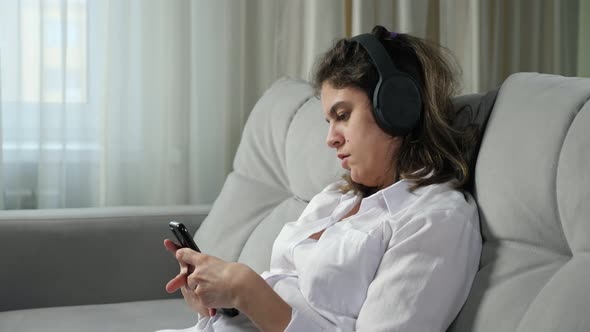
{"x": 378, "y": 54}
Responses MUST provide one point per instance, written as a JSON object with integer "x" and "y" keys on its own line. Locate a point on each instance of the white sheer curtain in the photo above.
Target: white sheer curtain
{"x": 44, "y": 97}
{"x": 490, "y": 38}
{"x": 136, "y": 102}
{"x": 239, "y": 49}
{"x": 95, "y": 98}
{"x": 140, "y": 75}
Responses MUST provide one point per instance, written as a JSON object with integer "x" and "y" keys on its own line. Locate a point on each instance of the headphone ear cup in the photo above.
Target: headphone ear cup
{"x": 399, "y": 105}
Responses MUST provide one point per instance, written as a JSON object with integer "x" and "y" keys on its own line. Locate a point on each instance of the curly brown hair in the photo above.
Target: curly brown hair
{"x": 433, "y": 152}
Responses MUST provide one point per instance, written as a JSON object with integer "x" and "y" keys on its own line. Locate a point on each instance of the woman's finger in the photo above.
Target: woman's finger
{"x": 176, "y": 283}
{"x": 191, "y": 283}
{"x": 171, "y": 246}
{"x": 188, "y": 256}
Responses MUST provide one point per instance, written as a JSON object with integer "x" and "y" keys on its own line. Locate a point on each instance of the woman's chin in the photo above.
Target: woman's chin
{"x": 360, "y": 180}
{"x": 370, "y": 183}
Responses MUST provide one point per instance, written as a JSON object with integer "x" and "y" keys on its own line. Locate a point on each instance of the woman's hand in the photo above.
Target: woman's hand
{"x": 207, "y": 281}
{"x": 215, "y": 282}
{"x": 179, "y": 282}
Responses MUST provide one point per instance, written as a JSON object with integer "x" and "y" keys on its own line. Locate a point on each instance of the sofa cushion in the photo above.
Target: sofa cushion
{"x": 66, "y": 257}
{"x": 261, "y": 153}
{"x": 473, "y": 110}
{"x": 573, "y": 182}
{"x": 531, "y": 184}
{"x": 241, "y": 205}
{"x": 257, "y": 250}
{"x": 311, "y": 164}
{"x": 124, "y": 317}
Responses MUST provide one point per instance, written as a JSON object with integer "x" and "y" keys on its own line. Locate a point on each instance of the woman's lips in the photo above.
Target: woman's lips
{"x": 344, "y": 158}
{"x": 345, "y": 162}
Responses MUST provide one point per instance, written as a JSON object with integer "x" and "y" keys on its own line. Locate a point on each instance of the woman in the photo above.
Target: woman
{"x": 396, "y": 244}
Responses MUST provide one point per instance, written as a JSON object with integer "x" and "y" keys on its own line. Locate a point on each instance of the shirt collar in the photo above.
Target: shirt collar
{"x": 395, "y": 197}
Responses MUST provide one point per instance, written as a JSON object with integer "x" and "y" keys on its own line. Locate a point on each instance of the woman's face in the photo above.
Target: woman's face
{"x": 365, "y": 150}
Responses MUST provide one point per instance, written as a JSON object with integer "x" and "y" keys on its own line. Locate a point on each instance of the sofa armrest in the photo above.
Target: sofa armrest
{"x": 88, "y": 256}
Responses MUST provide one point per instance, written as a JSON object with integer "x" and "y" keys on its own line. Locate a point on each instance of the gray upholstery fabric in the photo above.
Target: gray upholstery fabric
{"x": 80, "y": 256}
{"x": 311, "y": 164}
{"x": 572, "y": 183}
{"x": 142, "y": 316}
{"x": 257, "y": 250}
{"x": 242, "y": 204}
{"x": 531, "y": 184}
{"x": 261, "y": 154}
{"x": 473, "y": 110}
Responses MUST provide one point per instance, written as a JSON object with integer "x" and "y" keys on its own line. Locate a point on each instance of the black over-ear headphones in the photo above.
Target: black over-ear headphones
{"x": 397, "y": 103}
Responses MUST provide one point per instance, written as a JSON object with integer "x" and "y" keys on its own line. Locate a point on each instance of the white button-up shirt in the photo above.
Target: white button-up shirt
{"x": 404, "y": 262}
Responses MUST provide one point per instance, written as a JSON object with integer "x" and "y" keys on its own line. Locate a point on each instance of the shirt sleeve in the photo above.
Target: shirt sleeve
{"x": 425, "y": 274}
{"x": 302, "y": 320}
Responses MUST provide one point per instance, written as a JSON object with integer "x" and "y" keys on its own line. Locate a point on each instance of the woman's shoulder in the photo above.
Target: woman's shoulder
{"x": 443, "y": 196}
{"x": 437, "y": 202}
{"x": 436, "y": 210}
{"x": 404, "y": 197}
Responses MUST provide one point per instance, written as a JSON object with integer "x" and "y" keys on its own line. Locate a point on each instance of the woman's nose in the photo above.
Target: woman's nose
{"x": 334, "y": 138}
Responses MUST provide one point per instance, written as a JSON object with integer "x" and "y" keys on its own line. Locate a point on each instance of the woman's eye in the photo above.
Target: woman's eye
{"x": 342, "y": 116}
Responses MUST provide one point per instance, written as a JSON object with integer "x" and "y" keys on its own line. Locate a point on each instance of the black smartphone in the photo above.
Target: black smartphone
{"x": 185, "y": 239}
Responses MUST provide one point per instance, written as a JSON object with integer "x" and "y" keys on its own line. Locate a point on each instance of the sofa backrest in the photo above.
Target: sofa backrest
{"x": 532, "y": 186}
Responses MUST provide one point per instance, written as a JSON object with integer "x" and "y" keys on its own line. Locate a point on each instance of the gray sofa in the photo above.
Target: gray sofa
{"x": 105, "y": 269}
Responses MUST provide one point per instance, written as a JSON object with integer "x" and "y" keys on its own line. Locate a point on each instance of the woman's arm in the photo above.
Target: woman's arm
{"x": 219, "y": 284}
{"x": 257, "y": 300}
